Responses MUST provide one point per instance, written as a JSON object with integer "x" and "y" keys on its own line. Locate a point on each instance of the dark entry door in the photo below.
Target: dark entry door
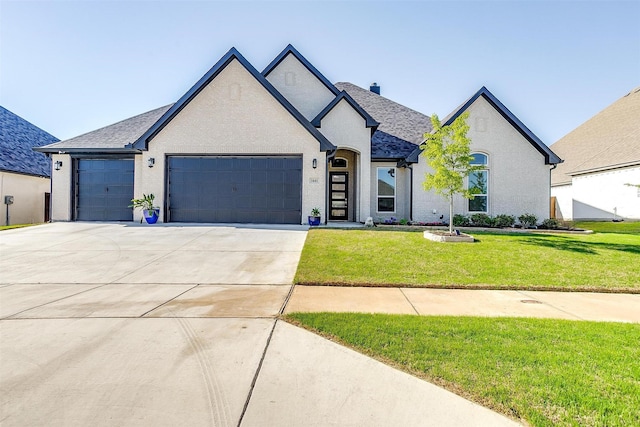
{"x": 339, "y": 196}
{"x": 242, "y": 189}
{"x": 104, "y": 189}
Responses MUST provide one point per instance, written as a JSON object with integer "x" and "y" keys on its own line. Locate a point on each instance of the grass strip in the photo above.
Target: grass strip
{"x": 545, "y": 371}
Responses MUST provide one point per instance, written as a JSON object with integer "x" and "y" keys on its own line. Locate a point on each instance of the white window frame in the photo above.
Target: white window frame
{"x": 395, "y": 189}
{"x": 486, "y": 194}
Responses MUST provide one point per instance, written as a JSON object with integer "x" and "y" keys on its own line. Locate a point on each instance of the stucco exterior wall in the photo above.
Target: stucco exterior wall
{"x": 346, "y": 129}
{"x": 518, "y": 180}
{"x": 300, "y": 86}
{"x": 602, "y": 195}
{"x": 403, "y": 190}
{"x": 564, "y": 201}
{"x": 61, "y": 188}
{"x": 28, "y": 198}
{"x": 234, "y": 114}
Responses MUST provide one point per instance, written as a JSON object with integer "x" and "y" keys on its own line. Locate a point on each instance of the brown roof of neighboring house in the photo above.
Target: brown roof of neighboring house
{"x": 608, "y": 140}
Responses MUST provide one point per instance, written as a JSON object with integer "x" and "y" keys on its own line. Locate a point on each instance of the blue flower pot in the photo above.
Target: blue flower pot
{"x": 151, "y": 216}
{"x": 314, "y": 220}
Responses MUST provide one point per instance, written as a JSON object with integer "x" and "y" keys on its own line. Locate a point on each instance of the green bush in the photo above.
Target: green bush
{"x": 528, "y": 220}
{"x": 550, "y": 223}
{"x": 461, "y": 221}
{"x": 482, "y": 220}
{"x": 403, "y": 221}
{"x": 504, "y": 221}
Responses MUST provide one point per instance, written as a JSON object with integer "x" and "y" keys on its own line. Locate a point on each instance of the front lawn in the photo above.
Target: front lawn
{"x": 547, "y": 372}
{"x": 610, "y": 226}
{"x": 606, "y": 262}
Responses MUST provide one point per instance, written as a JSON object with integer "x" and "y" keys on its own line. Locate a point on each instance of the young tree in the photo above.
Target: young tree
{"x": 447, "y": 151}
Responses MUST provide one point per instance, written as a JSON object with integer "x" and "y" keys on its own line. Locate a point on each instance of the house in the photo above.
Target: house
{"x": 266, "y": 147}
{"x": 602, "y": 157}
{"x": 24, "y": 174}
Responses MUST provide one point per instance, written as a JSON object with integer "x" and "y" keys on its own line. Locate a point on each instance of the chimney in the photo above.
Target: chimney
{"x": 375, "y": 88}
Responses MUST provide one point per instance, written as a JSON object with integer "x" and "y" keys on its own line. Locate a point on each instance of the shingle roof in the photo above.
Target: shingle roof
{"x": 386, "y": 146}
{"x": 395, "y": 119}
{"x": 608, "y": 140}
{"x": 18, "y": 137}
{"x": 110, "y": 138}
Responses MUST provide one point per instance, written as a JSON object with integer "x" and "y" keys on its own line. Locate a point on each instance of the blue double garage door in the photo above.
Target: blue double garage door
{"x": 234, "y": 189}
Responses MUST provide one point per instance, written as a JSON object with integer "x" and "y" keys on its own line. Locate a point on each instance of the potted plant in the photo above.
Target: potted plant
{"x": 314, "y": 218}
{"x": 149, "y": 211}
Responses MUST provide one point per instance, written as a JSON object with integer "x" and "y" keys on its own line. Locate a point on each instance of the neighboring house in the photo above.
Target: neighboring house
{"x": 266, "y": 147}
{"x": 24, "y": 174}
{"x": 601, "y": 156}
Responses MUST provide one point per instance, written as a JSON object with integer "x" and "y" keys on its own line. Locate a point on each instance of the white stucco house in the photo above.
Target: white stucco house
{"x": 243, "y": 146}
{"x": 24, "y": 174}
{"x": 601, "y": 158}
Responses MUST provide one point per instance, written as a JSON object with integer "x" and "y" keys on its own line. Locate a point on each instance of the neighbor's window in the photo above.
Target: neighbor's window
{"x": 479, "y": 182}
{"x": 386, "y": 189}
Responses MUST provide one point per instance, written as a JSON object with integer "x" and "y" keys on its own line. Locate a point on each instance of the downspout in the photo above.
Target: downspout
{"x": 555, "y": 165}
{"x": 410, "y": 167}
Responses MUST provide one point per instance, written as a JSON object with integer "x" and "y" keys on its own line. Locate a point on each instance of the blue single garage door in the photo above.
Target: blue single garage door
{"x": 238, "y": 189}
{"x": 103, "y": 189}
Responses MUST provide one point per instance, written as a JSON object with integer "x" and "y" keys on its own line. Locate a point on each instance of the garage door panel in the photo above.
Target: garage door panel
{"x": 104, "y": 189}
{"x": 235, "y": 189}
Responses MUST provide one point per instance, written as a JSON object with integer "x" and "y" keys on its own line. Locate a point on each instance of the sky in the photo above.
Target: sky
{"x": 71, "y": 67}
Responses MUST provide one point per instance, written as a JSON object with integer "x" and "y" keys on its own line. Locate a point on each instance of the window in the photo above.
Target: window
{"x": 386, "y": 189}
{"x": 479, "y": 184}
{"x": 339, "y": 162}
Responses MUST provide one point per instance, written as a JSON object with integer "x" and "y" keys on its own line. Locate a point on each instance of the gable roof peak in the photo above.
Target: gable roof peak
{"x": 290, "y": 50}
{"x": 370, "y": 122}
{"x": 142, "y": 142}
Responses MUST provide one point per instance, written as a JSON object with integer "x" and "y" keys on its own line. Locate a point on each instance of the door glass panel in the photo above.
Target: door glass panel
{"x": 338, "y": 187}
{"x": 337, "y": 195}
{"x": 338, "y": 178}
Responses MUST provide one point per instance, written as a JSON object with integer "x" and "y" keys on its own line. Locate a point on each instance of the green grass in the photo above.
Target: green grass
{"x": 610, "y": 226}
{"x": 498, "y": 261}
{"x": 547, "y": 372}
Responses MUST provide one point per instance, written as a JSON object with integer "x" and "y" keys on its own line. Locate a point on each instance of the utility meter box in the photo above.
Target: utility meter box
{"x": 8, "y": 200}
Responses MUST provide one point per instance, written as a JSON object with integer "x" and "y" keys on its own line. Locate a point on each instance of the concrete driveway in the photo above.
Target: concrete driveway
{"x": 108, "y": 324}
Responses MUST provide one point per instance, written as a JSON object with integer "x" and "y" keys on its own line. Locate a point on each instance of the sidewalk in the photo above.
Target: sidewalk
{"x": 463, "y": 302}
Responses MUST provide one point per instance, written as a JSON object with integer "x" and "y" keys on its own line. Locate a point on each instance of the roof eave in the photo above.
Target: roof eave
{"x": 71, "y": 150}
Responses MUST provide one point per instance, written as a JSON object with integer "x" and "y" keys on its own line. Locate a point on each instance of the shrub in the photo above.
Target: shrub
{"x": 550, "y": 223}
{"x": 528, "y": 220}
{"x": 403, "y": 221}
{"x": 482, "y": 220}
{"x": 461, "y": 221}
{"x": 505, "y": 221}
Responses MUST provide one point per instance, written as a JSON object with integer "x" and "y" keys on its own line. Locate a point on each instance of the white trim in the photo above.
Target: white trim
{"x": 395, "y": 189}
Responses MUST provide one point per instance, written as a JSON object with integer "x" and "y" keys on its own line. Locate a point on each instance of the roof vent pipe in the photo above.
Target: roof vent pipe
{"x": 375, "y": 88}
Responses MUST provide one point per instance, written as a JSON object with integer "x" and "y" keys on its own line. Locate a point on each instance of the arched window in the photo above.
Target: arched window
{"x": 478, "y": 182}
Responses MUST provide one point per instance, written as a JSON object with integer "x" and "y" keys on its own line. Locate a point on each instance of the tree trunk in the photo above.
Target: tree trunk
{"x": 450, "y": 213}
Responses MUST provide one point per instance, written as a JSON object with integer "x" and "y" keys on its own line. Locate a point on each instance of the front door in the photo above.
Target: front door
{"x": 339, "y": 195}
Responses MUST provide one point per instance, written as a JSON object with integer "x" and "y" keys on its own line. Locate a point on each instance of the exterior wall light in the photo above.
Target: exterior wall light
{"x": 151, "y": 161}
{"x": 314, "y": 163}
{"x": 57, "y": 165}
